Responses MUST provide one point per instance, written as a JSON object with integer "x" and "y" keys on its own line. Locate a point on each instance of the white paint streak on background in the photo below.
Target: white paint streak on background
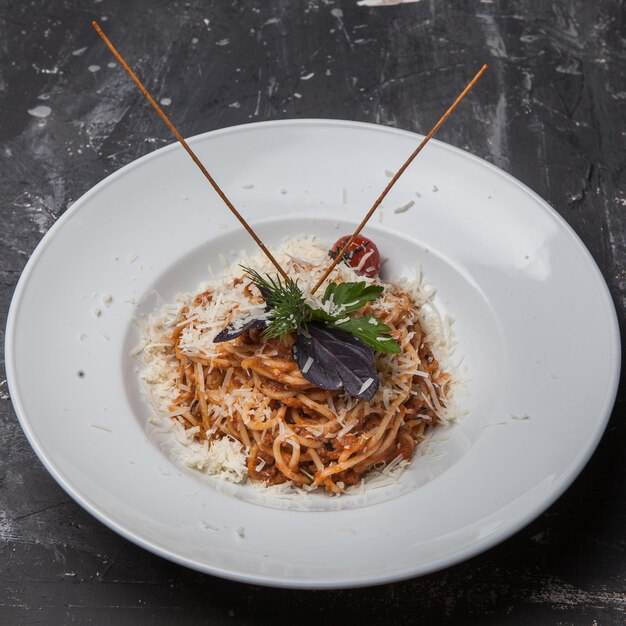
{"x": 566, "y": 596}
{"x": 40, "y": 111}
{"x": 493, "y": 38}
{"x": 383, "y": 3}
{"x": 497, "y": 133}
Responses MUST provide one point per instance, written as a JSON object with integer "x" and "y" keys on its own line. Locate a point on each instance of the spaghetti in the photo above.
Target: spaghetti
{"x": 249, "y": 393}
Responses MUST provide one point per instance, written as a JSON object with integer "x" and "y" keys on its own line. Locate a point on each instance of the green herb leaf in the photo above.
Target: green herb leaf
{"x": 348, "y": 297}
{"x": 319, "y": 315}
{"x": 340, "y": 361}
{"x": 289, "y": 310}
{"x": 371, "y": 331}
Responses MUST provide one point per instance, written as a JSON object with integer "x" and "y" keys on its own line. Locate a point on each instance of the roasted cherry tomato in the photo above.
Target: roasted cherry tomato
{"x": 362, "y": 254}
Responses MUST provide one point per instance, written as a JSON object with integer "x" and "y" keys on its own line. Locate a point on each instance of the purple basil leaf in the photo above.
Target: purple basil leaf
{"x": 233, "y": 330}
{"x": 340, "y": 360}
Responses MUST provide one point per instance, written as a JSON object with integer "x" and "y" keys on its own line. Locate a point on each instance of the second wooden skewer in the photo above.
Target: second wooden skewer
{"x": 397, "y": 175}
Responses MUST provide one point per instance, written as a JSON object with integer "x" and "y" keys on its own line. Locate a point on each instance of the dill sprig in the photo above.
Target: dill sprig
{"x": 289, "y": 310}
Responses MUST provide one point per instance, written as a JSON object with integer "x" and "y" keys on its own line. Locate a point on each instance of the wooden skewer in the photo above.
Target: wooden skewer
{"x": 399, "y": 173}
{"x": 189, "y": 151}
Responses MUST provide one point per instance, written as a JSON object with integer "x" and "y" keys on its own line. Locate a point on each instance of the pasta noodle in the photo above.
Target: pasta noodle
{"x": 250, "y": 390}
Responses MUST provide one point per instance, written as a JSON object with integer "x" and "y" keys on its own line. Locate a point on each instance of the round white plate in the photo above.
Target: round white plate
{"x": 534, "y": 323}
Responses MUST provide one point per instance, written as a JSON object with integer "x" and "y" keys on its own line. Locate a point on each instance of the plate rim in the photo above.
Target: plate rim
{"x": 566, "y": 480}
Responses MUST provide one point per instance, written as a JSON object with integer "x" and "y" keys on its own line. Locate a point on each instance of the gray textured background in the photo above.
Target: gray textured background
{"x": 552, "y": 112}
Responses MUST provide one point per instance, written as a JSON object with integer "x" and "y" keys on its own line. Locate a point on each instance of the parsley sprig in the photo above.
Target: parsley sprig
{"x": 290, "y": 312}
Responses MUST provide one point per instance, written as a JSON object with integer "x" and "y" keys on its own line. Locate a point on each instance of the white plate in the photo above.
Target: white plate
{"x": 534, "y": 321}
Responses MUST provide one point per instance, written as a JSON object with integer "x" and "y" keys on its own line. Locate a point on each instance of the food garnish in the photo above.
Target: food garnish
{"x": 239, "y": 327}
{"x": 341, "y": 346}
{"x": 339, "y": 360}
{"x": 289, "y": 311}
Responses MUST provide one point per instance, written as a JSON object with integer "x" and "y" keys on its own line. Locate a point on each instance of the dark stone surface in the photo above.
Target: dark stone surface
{"x": 552, "y": 112}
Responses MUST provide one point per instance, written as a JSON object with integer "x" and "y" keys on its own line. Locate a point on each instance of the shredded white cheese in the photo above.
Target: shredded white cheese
{"x": 100, "y": 427}
{"x": 366, "y": 385}
{"x": 404, "y": 207}
{"x": 363, "y": 260}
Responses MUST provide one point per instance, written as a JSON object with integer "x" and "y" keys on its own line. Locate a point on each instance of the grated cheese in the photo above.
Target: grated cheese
{"x": 100, "y": 427}
{"x": 366, "y": 385}
{"x": 348, "y": 427}
{"x": 393, "y": 464}
{"x": 404, "y": 207}
{"x": 363, "y": 259}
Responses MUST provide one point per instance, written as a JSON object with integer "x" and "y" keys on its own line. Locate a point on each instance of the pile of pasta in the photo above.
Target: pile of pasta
{"x": 250, "y": 390}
